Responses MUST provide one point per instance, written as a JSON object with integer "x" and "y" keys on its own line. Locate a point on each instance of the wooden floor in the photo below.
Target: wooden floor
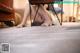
{"x": 36, "y": 39}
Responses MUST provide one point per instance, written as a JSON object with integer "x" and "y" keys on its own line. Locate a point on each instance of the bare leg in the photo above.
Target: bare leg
{"x": 26, "y": 14}
{"x": 45, "y": 15}
{"x": 38, "y": 17}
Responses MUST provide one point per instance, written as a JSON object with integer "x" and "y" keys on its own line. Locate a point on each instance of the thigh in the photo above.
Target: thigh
{"x": 36, "y": 20}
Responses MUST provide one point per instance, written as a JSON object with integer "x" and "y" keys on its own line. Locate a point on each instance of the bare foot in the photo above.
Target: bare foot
{"x": 46, "y": 24}
{"x": 28, "y": 25}
{"x": 20, "y": 26}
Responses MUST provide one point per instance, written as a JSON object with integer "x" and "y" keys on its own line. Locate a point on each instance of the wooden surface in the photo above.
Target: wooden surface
{"x": 52, "y": 39}
{"x": 6, "y": 4}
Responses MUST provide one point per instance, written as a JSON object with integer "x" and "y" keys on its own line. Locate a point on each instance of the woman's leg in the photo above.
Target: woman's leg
{"x": 47, "y": 19}
{"x": 35, "y": 20}
{"x": 26, "y": 14}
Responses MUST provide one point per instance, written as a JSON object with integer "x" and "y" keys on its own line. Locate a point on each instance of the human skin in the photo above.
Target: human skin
{"x": 42, "y": 16}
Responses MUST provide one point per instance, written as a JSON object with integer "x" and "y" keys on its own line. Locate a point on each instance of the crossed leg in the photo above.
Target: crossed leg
{"x": 41, "y": 14}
